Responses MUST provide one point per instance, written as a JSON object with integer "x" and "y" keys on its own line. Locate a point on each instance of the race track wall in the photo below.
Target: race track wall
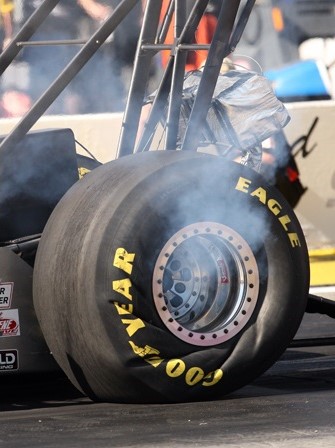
{"x": 99, "y": 132}
{"x": 311, "y": 131}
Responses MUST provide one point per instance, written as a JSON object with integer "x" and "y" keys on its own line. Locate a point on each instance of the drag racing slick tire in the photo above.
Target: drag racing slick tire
{"x": 169, "y": 276}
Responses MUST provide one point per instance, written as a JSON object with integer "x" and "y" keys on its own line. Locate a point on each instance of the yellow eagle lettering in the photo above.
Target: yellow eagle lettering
{"x": 261, "y": 194}
{"x": 243, "y": 184}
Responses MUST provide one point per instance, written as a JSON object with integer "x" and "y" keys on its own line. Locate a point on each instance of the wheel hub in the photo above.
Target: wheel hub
{"x": 205, "y": 283}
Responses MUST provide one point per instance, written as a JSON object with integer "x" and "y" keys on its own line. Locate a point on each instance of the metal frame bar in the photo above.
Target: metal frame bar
{"x": 185, "y": 30}
{"x": 220, "y": 48}
{"x": 321, "y": 305}
{"x": 174, "y": 65}
{"x": 152, "y": 36}
{"x": 228, "y": 33}
{"x": 41, "y": 43}
{"x": 137, "y": 88}
{"x": 70, "y": 71}
{"x": 26, "y": 32}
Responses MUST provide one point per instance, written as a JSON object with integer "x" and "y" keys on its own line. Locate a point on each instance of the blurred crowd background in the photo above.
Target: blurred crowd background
{"x": 305, "y": 31}
{"x": 102, "y": 84}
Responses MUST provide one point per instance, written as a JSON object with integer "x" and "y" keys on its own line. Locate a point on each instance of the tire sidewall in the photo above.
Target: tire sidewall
{"x": 113, "y": 345}
{"x": 164, "y": 203}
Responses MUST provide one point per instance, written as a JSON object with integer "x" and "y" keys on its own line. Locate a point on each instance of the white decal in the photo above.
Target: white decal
{"x": 6, "y": 292}
{"x": 9, "y": 360}
{"x": 9, "y": 323}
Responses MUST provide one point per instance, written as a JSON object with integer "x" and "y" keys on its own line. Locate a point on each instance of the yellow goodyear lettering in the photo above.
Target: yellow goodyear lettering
{"x": 174, "y": 368}
{"x": 123, "y": 308}
{"x": 149, "y": 354}
{"x": 123, "y": 260}
{"x": 123, "y": 287}
{"x": 133, "y": 325}
{"x": 194, "y": 375}
{"x": 273, "y": 205}
{"x": 212, "y": 378}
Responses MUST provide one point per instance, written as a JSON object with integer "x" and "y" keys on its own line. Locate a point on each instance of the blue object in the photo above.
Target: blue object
{"x": 303, "y": 78}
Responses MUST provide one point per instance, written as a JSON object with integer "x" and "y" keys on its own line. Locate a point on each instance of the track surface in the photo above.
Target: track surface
{"x": 291, "y": 405}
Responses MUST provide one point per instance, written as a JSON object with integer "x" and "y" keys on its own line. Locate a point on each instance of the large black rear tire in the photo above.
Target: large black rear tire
{"x": 170, "y": 276}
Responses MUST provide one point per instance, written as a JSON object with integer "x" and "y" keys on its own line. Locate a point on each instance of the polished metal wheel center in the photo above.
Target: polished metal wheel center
{"x": 205, "y": 283}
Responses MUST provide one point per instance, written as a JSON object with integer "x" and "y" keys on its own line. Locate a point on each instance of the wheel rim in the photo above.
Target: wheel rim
{"x": 205, "y": 283}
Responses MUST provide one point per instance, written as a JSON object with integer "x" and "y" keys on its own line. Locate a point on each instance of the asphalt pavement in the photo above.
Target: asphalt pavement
{"x": 291, "y": 405}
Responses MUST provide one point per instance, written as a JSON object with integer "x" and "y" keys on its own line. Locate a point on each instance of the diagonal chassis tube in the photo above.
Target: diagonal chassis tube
{"x": 151, "y": 41}
{"x": 70, "y": 71}
{"x": 169, "y": 93}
